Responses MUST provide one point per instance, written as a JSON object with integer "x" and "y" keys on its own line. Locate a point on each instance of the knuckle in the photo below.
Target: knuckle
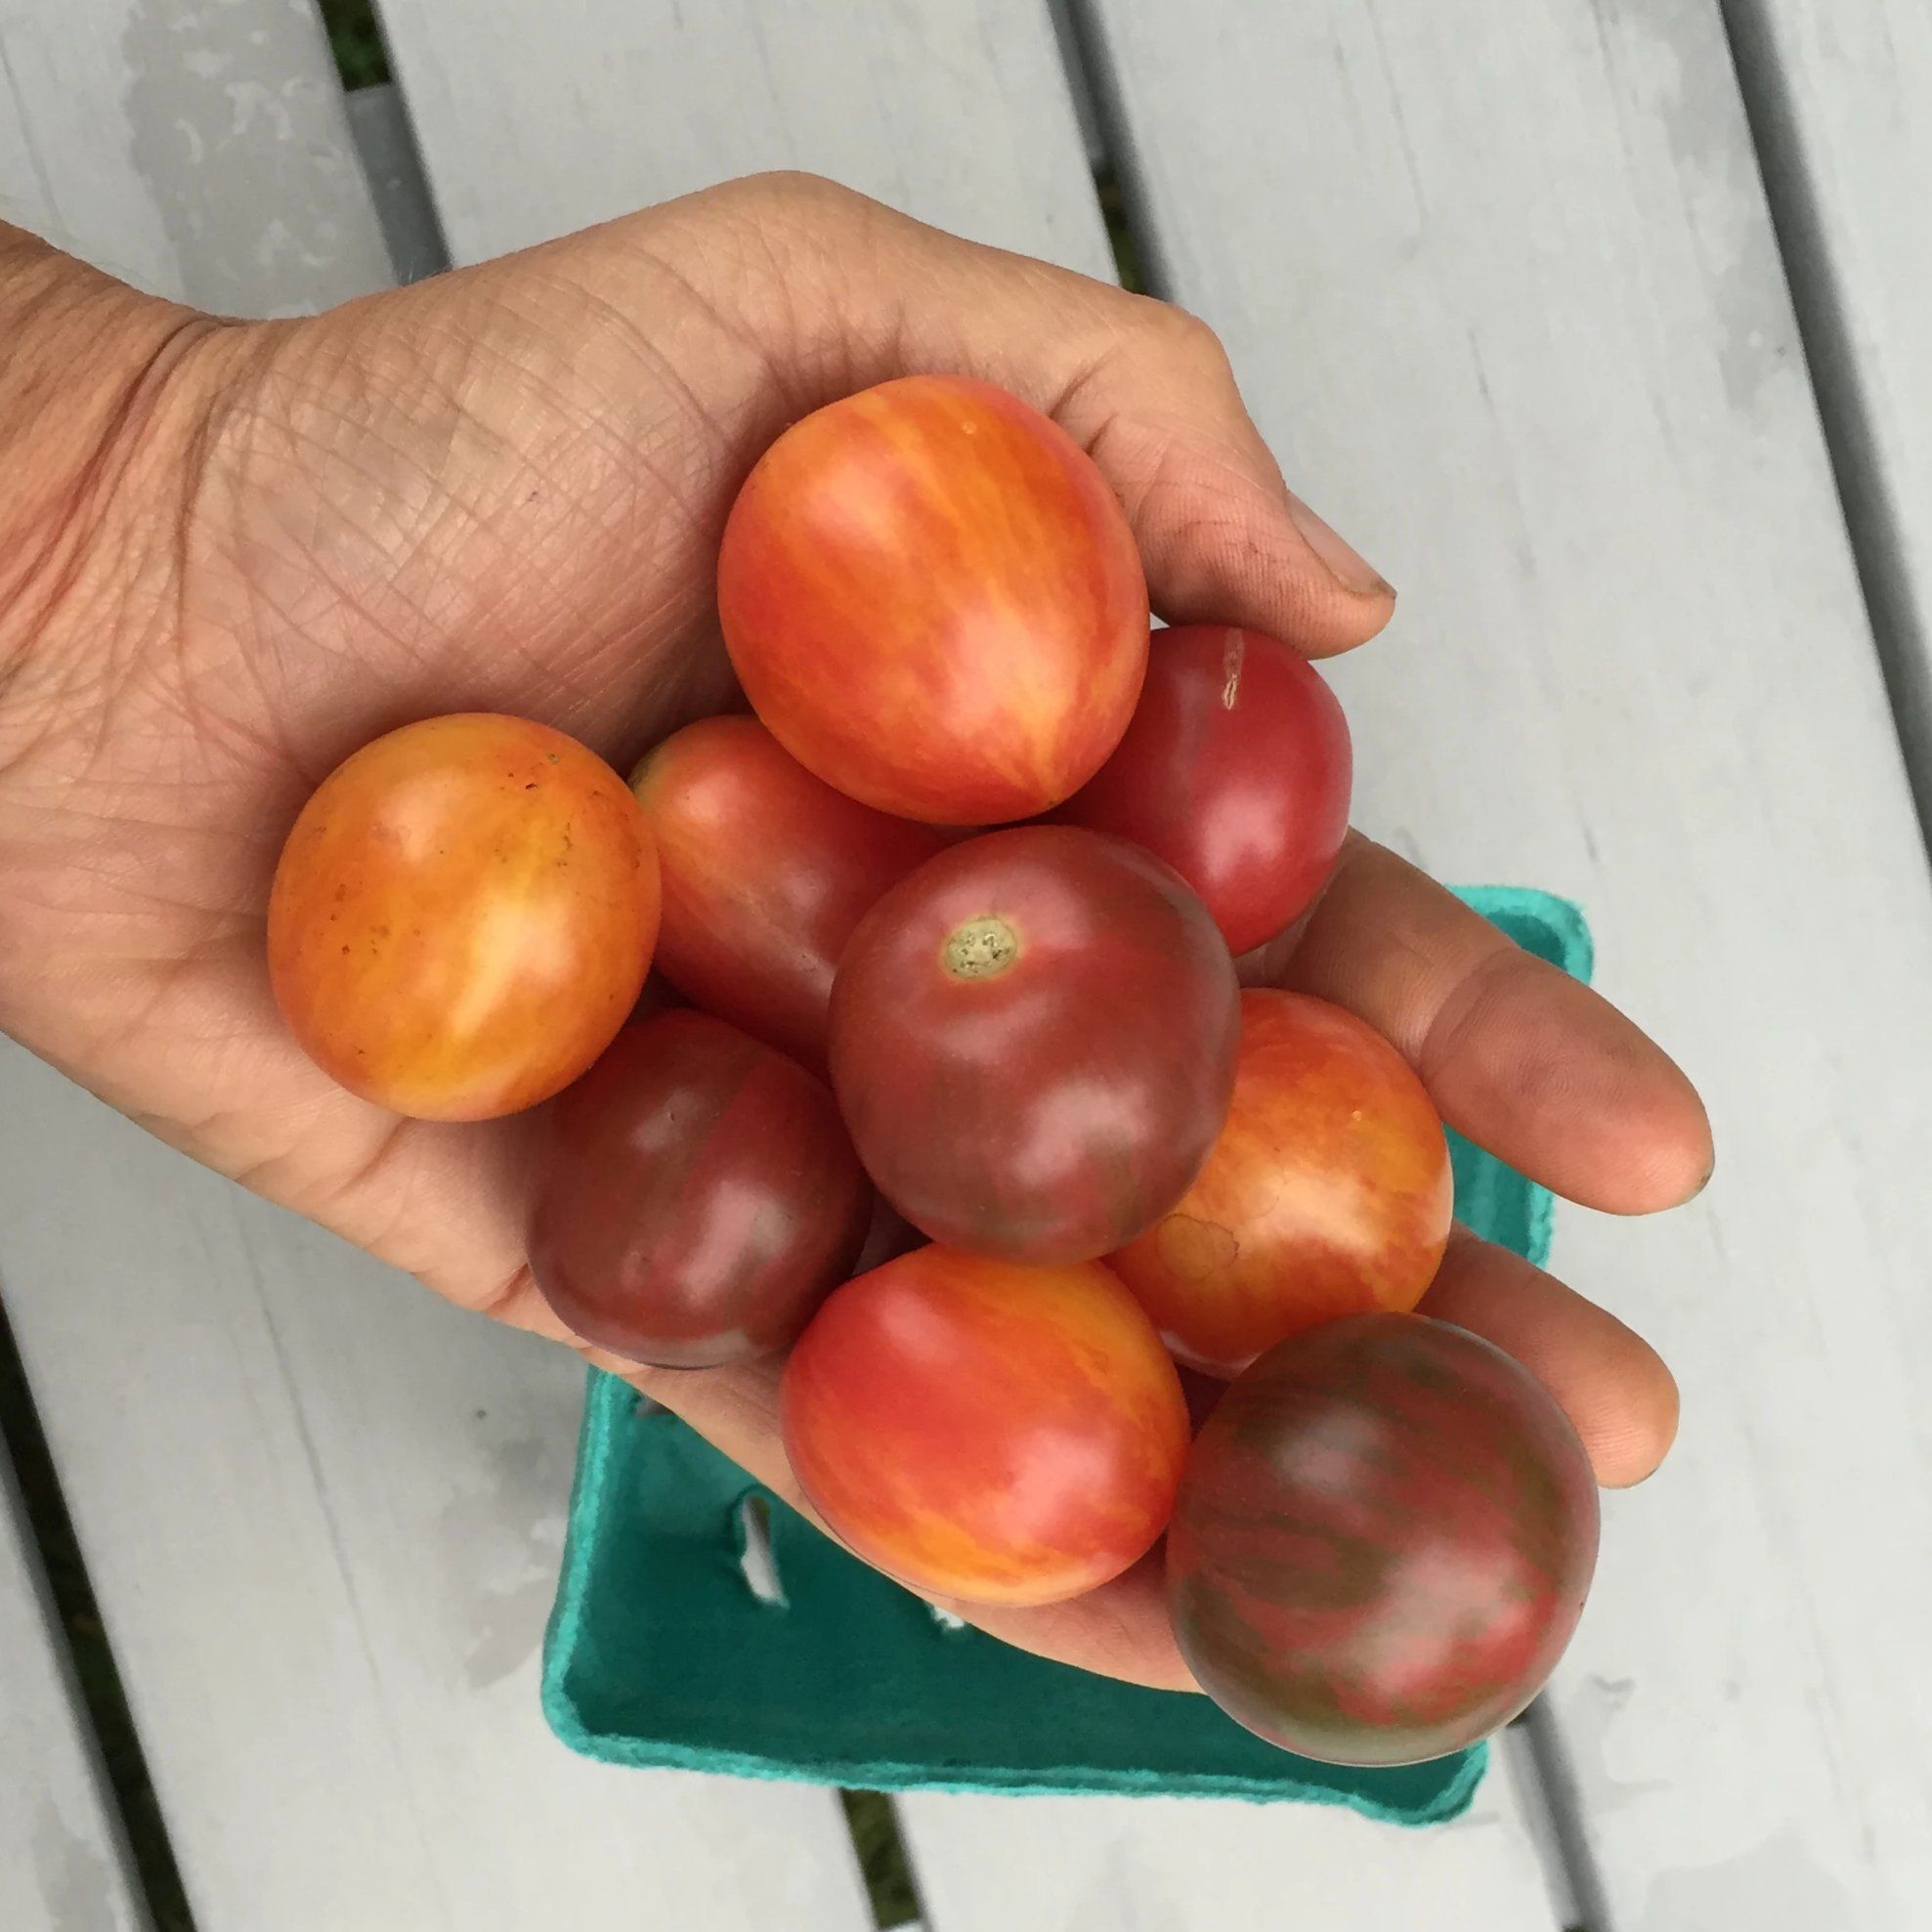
{"x": 1183, "y": 351}
{"x": 1190, "y": 339}
{"x": 796, "y": 194}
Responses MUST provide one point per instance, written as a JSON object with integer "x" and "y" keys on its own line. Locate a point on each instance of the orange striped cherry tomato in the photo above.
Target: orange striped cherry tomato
{"x": 984, "y": 1430}
{"x": 1328, "y": 1192}
{"x": 934, "y": 600}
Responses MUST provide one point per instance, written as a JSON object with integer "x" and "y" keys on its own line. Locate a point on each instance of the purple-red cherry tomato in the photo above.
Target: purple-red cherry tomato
{"x": 698, "y": 1197}
{"x": 1383, "y": 1541}
{"x": 1033, "y": 1042}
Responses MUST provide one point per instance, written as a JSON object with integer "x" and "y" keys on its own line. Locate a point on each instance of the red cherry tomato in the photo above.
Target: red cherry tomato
{"x": 1328, "y": 1192}
{"x": 698, "y": 1197}
{"x": 463, "y": 915}
{"x": 1033, "y": 1042}
{"x": 1236, "y": 771}
{"x": 995, "y": 1433}
{"x": 931, "y": 597}
{"x": 1382, "y": 1543}
{"x": 766, "y": 871}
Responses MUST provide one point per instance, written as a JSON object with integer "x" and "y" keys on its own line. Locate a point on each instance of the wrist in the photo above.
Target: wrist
{"x": 97, "y": 388}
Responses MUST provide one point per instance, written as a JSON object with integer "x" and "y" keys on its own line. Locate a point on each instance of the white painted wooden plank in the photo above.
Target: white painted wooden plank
{"x": 1499, "y": 281}
{"x": 62, "y": 1862}
{"x": 1080, "y": 86}
{"x": 403, "y": 208}
{"x": 956, "y": 110}
{"x": 197, "y": 149}
{"x": 1841, "y": 101}
{"x": 1178, "y": 1864}
{"x": 322, "y": 1513}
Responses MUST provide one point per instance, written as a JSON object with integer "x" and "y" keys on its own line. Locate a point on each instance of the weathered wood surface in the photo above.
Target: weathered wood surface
{"x": 380, "y": 128}
{"x": 62, "y": 1864}
{"x": 196, "y": 149}
{"x": 1178, "y": 1864}
{"x": 323, "y": 1513}
{"x": 957, "y": 110}
{"x": 1501, "y": 286}
{"x": 1841, "y": 99}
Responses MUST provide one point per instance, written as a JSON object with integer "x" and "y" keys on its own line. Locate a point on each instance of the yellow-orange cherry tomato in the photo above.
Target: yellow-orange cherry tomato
{"x": 463, "y": 915}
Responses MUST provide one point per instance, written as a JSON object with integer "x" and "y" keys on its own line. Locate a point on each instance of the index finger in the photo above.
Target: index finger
{"x": 1520, "y": 1058}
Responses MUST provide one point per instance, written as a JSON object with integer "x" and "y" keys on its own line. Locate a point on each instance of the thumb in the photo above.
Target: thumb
{"x": 1144, "y": 387}
{"x": 1221, "y": 537}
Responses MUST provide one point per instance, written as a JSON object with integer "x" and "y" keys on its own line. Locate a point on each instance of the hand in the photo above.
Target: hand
{"x": 242, "y": 550}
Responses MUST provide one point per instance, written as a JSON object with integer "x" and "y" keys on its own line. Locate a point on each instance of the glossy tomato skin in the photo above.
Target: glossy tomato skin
{"x": 1033, "y": 1042}
{"x": 1382, "y": 1543}
{"x": 994, "y": 1434}
{"x": 766, "y": 871}
{"x": 463, "y": 915}
{"x": 931, "y": 596}
{"x": 1236, "y": 770}
{"x": 698, "y": 1197}
{"x": 1328, "y": 1192}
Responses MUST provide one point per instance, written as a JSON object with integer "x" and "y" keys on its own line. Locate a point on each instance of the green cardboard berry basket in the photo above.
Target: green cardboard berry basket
{"x": 660, "y": 1652}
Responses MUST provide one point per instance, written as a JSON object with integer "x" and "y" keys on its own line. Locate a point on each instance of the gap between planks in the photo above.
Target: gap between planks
{"x": 1881, "y": 544}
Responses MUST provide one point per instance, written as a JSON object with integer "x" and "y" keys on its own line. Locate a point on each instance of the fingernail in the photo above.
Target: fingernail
{"x": 1344, "y": 560}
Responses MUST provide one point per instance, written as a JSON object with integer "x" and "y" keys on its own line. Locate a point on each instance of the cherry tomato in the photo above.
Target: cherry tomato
{"x": 1236, "y": 771}
{"x": 766, "y": 871}
{"x": 463, "y": 915}
{"x": 1328, "y": 1192}
{"x": 1382, "y": 1543}
{"x": 932, "y": 598}
{"x": 697, "y": 1199}
{"x": 1033, "y": 1042}
{"x": 995, "y": 1433}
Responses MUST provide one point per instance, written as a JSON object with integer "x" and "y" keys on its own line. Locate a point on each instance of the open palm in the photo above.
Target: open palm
{"x": 503, "y": 490}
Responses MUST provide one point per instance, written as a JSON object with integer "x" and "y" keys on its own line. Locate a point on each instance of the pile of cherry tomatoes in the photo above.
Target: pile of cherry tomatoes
{"x": 981, "y": 1125}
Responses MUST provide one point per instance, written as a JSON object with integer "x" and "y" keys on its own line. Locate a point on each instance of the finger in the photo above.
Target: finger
{"x": 1120, "y": 1630}
{"x": 1524, "y": 1060}
{"x": 1611, "y": 1384}
{"x": 1222, "y": 537}
{"x": 1144, "y": 387}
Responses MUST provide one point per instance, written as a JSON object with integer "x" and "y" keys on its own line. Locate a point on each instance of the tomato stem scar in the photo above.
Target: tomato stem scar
{"x": 981, "y": 949}
{"x": 1232, "y": 652}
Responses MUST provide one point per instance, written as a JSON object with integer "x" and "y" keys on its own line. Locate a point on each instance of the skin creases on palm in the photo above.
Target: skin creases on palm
{"x": 503, "y": 490}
